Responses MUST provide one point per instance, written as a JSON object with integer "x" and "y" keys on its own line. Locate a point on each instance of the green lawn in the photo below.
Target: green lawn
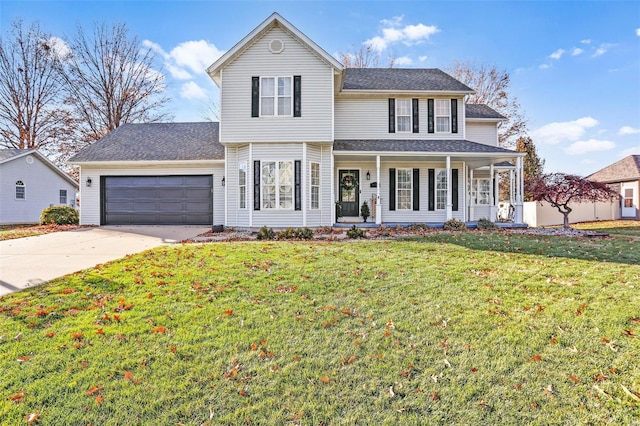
{"x": 466, "y": 328}
{"x": 11, "y": 232}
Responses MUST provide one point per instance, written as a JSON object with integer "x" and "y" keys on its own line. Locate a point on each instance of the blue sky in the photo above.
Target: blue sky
{"x": 575, "y": 65}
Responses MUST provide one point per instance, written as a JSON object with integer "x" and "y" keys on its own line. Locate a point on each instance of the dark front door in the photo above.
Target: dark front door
{"x": 349, "y": 191}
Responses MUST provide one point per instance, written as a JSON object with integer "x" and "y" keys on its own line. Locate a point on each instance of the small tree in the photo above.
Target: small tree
{"x": 532, "y": 165}
{"x": 560, "y": 190}
{"x": 364, "y": 211}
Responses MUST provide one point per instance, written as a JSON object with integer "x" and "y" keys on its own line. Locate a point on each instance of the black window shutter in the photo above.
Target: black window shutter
{"x": 430, "y": 125}
{"x": 255, "y": 96}
{"x": 454, "y": 116}
{"x": 297, "y": 102}
{"x": 297, "y": 173}
{"x": 256, "y": 185}
{"x": 416, "y": 116}
{"x": 454, "y": 189}
{"x": 416, "y": 189}
{"x": 392, "y": 189}
{"x": 392, "y": 115}
{"x": 432, "y": 189}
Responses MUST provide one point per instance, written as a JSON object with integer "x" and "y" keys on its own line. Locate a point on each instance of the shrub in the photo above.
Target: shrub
{"x": 454, "y": 225}
{"x": 59, "y": 215}
{"x": 364, "y": 211}
{"x": 266, "y": 234}
{"x": 295, "y": 234}
{"x": 304, "y": 234}
{"x": 355, "y": 232}
{"x": 418, "y": 227}
{"x": 484, "y": 223}
{"x": 286, "y": 234}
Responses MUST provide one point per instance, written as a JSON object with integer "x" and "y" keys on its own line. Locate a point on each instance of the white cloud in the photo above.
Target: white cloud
{"x": 557, "y": 54}
{"x": 60, "y": 48}
{"x": 585, "y": 41}
{"x": 394, "y": 32}
{"x": 628, "y": 130}
{"x": 591, "y": 145}
{"x": 196, "y": 55}
{"x": 544, "y": 66}
{"x": 422, "y": 58}
{"x": 190, "y": 90}
{"x": 403, "y": 60}
{"x": 638, "y": 32}
{"x": 602, "y": 49}
{"x": 554, "y": 133}
{"x": 634, "y": 150}
{"x": 576, "y": 51}
{"x": 156, "y": 48}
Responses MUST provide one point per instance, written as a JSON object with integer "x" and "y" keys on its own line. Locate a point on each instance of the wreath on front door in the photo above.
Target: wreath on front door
{"x": 348, "y": 182}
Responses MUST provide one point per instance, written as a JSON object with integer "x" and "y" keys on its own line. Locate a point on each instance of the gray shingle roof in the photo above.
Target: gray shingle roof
{"x": 156, "y": 142}
{"x": 6, "y": 154}
{"x": 392, "y": 145}
{"x": 624, "y": 170}
{"x": 431, "y": 79}
{"x": 482, "y": 111}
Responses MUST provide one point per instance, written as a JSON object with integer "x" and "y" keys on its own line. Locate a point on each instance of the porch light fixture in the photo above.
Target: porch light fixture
{"x": 368, "y": 175}
{"x": 223, "y": 181}
{"x": 89, "y": 182}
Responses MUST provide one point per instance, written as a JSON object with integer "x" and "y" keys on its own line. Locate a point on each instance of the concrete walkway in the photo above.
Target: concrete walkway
{"x": 26, "y": 262}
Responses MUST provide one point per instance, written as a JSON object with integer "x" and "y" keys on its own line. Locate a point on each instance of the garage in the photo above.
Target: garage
{"x": 157, "y": 200}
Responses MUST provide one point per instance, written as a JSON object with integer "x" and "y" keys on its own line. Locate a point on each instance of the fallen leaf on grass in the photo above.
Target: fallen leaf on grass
{"x": 24, "y": 358}
{"x": 93, "y": 390}
{"x": 635, "y": 320}
{"x": 77, "y": 335}
{"x": 325, "y": 379}
{"x": 574, "y": 378}
{"x": 50, "y": 334}
{"x": 633, "y": 395}
{"x": 31, "y": 418}
{"x": 228, "y": 312}
{"x": 159, "y": 329}
{"x": 630, "y": 333}
{"x": 99, "y": 399}
{"x": 600, "y": 378}
{"x": 128, "y": 375}
{"x": 16, "y": 397}
{"x": 435, "y": 396}
{"x": 535, "y": 358}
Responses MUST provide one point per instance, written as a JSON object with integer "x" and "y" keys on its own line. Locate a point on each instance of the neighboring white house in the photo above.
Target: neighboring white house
{"x": 299, "y": 135}
{"x": 29, "y": 183}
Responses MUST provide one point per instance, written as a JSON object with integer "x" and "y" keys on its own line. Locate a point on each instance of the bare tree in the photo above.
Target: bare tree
{"x": 31, "y": 112}
{"x": 110, "y": 80}
{"x": 364, "y": 56}
{"x": 210, "y": 110}
{"x": 492, "y": 88}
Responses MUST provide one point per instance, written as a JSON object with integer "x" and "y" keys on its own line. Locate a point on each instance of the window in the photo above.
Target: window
{"x": 275, "y": 96}
{"x": 63, "y": 196}
{"x": 315, "y": 185}
{"x": 480, "y": 190}
{"x": 628, "y": 197}
{"x": 443, "y": 115}
{"x": 20, "y": 190}
{"x": 441, "y": 189}
{"x": 403, "y": 115}
{"x": 277, "y": 185}
{"x": 242, "y": 185}
{"x": 404, "y": 188}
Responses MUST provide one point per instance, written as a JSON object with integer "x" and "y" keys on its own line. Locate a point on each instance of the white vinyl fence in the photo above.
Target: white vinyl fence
{"x": 536, "y": 214}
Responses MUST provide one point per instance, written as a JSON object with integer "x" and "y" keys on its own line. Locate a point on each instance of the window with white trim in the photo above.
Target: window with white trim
{"x": 242, "y": 185}
{"x": 404, "y": 115}
{"x": 277, "y": 184}
{"x": 480, "y": 191}
{"x": 404, "y": 189}
{"x": 63, "y": 196}
{"x": 443, "y": 115}
{"x": 441, "y": 189}
{"x": 315, "y": 185}
{"x": 276, "y": 96}
{"x": 21, "y": 193}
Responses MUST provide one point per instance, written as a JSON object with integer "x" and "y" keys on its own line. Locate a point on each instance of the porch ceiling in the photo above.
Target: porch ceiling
{"x": 473, "y": 160}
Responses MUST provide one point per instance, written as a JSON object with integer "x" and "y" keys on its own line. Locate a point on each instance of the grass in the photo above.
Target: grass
{"x": 467, "y": 328}
{"x": 11, "y": 232}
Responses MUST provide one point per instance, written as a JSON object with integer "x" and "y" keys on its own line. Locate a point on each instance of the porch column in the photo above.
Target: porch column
{"x": 449, "y": 210}
{"x": 493, "y": 211}
{"x": 334, "y": 219}
{"x": 472, "y": 202}
{"x": 304, "y": 184}
{"x": 511, "y": 188}
{"x": 519, "y": 191}
{"x": 378, "y": 204}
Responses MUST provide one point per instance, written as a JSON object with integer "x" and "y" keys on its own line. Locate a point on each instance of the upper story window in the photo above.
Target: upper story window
{"x": 20, "y": 190}
{"x": 443, "y": 115}
{"x": 275, "y": 96}
{"x": 403, "y": 115}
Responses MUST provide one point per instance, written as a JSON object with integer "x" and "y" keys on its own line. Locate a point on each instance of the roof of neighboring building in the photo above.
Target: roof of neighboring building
{"x": 441, "y": 146}
{"x": 7, "y": 154}
{"x": 482, "y": 111}
{"x": 624, "y": 170}
{"x": 413, "y": 79}
{"x": 156, "y": 142}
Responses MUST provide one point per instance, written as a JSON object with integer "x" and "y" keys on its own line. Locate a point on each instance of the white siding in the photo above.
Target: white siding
{"x": 90, "y": 196}
{"x": 485, "y": 133}
{"x": 316, "y": 121}
{"x": 422, "y": 215}
{"x": 42, "y": 189}
{"x": 368, "y": 118}
{"x": 319, "y": 154}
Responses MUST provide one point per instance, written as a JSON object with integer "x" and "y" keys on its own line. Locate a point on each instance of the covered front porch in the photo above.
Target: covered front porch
{"x": 408, "y": 186}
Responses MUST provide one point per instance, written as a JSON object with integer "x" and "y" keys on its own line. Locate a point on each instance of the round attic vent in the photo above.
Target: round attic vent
{"x": 276, "y": 46}
{"x": 29, "y": 159}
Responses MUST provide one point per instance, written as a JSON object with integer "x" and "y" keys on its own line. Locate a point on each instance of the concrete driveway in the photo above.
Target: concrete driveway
{"x": 26, "y": 262}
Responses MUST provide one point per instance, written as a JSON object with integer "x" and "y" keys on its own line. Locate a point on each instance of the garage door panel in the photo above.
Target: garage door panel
{"x": 161, "y": 200}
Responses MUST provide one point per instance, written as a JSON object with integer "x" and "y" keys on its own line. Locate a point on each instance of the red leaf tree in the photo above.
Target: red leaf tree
{"x": 560, "y": 190}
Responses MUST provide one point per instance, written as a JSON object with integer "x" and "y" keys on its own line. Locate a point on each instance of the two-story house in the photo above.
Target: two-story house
{"x": 299, "y": 135}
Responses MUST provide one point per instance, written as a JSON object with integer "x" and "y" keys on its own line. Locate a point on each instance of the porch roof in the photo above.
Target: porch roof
{"x": 440, "y": 146}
